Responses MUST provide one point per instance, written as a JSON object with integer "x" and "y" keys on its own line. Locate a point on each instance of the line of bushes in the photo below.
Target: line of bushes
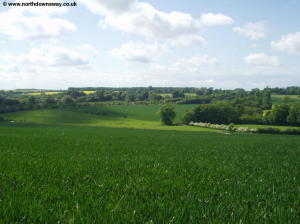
{"x": 290, "y": 131}
{"x": 232, "y": 128}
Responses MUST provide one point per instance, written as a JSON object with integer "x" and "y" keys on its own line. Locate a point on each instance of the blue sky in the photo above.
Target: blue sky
{"x": 217, "y": 43}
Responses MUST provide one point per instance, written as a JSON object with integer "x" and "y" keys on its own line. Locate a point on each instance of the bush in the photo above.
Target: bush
{"x": 269, "y": 130}
{"x": 291, "y": 131}
{"x": 231, "y": 127}
{"x": 251, "y": 119}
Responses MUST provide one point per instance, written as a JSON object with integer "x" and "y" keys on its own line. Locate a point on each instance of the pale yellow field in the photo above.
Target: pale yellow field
{"x": 89, "y": 92}
{"x": 55, "y": 93}
{"x": 46, "y": 93}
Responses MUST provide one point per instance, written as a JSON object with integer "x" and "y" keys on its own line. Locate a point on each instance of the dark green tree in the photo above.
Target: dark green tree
{"x": 293, "y": 117}
{"x": 167, "y": 114}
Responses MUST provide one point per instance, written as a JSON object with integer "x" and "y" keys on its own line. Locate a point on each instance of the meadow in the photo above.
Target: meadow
{"x": 276, "y": 99}
{"x": 121, "y": 116}
{"x": 69, "y": 174}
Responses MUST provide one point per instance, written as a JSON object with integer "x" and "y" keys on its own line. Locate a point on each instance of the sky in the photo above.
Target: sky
{"x": 171, "y": 43}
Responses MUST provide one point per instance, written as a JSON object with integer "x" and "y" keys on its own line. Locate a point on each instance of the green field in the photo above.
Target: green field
{"x": 119, "y": 164}
{"x": 276, "y": 99}
{"x": 51, "y": 174}
{"x": 132, "y": 116}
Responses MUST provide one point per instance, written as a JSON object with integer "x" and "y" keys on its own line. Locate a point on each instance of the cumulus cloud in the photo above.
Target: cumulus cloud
{"x": 51, "y": 56}
{"x": 109, "y": 6}
{"x": 139, "y": 52}
{"x": 140, "y": 18}
{"x": 289, "y": 43}
{"x": 212, "y": 19}
{"x": 197, "y": 61}
{"x": 252, "y": 31}
{"x": 88, "y": 49}
{"x": 31, "y": 23}
{"x": 261, "y": 59}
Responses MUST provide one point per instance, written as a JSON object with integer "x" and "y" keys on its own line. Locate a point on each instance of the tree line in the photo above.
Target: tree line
{"x": 226, "y": 113}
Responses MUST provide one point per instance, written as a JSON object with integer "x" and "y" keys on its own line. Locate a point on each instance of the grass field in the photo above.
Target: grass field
{"x": 276, "y": 99}
{"x": 132, "y": 116}
{"x": 63, "y": 174}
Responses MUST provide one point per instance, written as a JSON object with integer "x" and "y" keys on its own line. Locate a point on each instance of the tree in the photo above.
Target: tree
{"x": 217, "y": 113}
{"x": 49, "y": 102}
{"x": 31, "y": 102}
{"x": 68, "y": 101}
{"x": 293, "y": 117}
{"x": 167, "y": 114}
{"x": 75, "y": 93}
{"x": 279, "y": 114}
{"x": 177, "y": 94}
{"x": 188, "y": 116}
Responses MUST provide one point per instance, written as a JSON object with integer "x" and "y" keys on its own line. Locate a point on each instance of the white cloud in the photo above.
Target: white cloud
{"x": 88, "y": 48}
{"x": 139, "y": 52}
{"x": 48, "y": 56}
{"x": 261, "y": 59}
{"x": 109, "y": 6}
{"x": 143, "y": 19}
{"x": 252, "y": 31}
{"x": 189, "y": 40}
{"x": 289, "y": 43}
{"x": 34, "y": 23}
{"x": 211, "y": 19}
{"x": 197, "y": 61}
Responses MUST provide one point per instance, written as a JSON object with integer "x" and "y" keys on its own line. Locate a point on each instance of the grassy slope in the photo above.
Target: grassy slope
{"x": 107, "y": 175}
{"x": 140, "y": 116}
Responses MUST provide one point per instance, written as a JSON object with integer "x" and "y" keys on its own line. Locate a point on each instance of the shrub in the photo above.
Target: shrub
{"x": 291, "y": 131}
{"x": 269, "y": 130}
{"x": 231, "y": 127}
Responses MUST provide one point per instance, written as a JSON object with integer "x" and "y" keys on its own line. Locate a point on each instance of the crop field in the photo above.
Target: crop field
{"x": 89, "y": 92}
{"x": 64, "y": 174}
{"x": 46, "y": 93}
{"x": 38, "y": 93}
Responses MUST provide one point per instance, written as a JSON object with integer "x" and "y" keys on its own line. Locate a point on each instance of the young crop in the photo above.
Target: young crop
{"x": 61, "y": 174}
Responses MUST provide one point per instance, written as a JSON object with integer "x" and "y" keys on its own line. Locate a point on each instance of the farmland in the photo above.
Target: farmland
{"x": 100, "y": 158}
{"x": 69, "y": 174}
{"x": 38, "y": 93}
